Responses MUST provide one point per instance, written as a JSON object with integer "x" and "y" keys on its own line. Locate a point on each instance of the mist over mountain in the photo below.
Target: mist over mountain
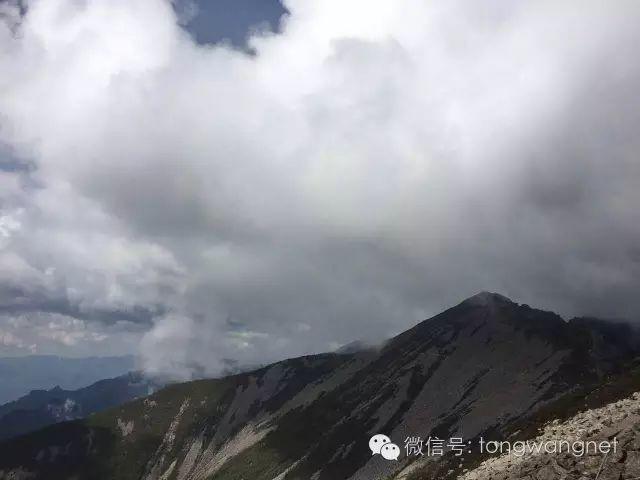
{"x": 486, "y": 367}
{"x": 262, "y": 200}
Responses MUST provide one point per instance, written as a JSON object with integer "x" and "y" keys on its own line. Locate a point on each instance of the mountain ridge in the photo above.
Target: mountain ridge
{"x": 40, "y": 408}
{"x": 21, "y": 375}
{"x": 474, "y": 369}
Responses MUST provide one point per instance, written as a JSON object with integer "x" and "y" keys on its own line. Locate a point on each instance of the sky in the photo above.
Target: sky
{"x": 228, "y": 21}
{"x": 326, "y": 172}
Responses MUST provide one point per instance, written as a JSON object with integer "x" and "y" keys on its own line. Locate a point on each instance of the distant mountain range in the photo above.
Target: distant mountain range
{"x": 20, "y": 375}
{"x": 487, "y": 367}
{"x": 41, "y": 408}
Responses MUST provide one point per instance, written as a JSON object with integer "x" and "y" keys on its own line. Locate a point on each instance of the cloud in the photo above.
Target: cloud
{"x": 372, "y": 164}
{"x": 8, "y": 339}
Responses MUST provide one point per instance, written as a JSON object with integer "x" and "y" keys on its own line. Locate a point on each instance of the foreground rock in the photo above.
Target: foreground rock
{"x": 617, "y": 423}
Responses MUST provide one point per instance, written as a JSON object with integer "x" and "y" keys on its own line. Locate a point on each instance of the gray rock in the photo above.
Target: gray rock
{"x": 632, "y": 465}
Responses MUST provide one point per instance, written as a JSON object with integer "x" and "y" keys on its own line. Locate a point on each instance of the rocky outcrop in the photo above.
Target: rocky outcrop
{"x": 587, "y": 435}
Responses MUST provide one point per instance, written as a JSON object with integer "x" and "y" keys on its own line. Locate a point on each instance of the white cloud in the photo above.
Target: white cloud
{"x": 8, "y": 339}
{"x": 372, "y": 164}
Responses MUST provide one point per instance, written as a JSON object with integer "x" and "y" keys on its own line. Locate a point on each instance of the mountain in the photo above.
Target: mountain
{"x": 41, "y": 408}
{"x": 20, "y": 375}
{"x": 486, "y": 367}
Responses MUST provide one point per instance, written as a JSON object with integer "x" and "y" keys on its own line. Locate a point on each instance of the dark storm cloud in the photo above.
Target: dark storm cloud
{"x": 355, "y": 175}
{"x": 14, "y": 302}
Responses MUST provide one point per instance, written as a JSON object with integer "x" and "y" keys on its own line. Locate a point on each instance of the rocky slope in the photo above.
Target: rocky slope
{"x": 478, "y": 368}
{"x": 588, "y": 434}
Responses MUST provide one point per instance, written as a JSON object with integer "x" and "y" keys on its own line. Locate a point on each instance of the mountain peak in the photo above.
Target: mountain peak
{"x": 486, "y": 367}
{"x": 487, "y": 299}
